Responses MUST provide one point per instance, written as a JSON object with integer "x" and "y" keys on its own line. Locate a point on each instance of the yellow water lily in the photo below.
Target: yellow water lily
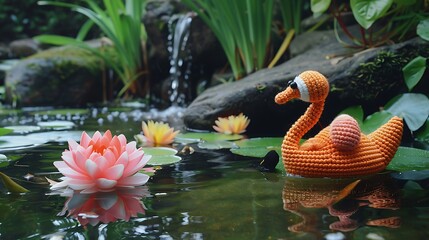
{"x": 232, "y": 124}
{"x": 158, "y": 133}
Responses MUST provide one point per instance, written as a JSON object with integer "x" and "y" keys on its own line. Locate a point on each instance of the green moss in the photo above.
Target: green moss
{"x": 383, "y": 72}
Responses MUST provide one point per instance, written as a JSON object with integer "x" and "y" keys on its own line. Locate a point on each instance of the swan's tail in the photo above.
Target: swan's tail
{"x": 388, "y": 137}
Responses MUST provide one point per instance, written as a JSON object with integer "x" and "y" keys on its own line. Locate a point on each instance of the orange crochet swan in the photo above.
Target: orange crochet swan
{"x": 339, "y": 150}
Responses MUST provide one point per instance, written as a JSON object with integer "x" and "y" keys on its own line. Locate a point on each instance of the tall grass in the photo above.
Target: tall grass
{"x": 243, "y": 28}
{"x": 121, "y": 23}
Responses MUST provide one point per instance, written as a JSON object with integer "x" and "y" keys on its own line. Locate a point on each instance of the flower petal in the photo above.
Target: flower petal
{"x": 91, "y": 168}
{"x": 104, "y": 183}
{"x": 135, "y": 180}
{"x": 114, "y": 172}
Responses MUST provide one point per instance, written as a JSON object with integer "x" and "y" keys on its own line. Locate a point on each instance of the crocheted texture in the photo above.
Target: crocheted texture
{"x": 339, "y": 150}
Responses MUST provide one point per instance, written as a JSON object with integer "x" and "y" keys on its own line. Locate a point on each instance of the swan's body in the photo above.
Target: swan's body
{"x": 338, "y": 150}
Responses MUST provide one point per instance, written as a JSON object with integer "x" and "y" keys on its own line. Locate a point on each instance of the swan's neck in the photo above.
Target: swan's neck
{"x": 303, "y": 124}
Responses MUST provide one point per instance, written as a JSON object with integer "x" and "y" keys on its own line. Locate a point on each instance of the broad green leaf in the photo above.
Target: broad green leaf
{"x": 56, "y": 125}
{"x": 374, "y": 121}
{"x": 405, "y": 2}
{"x": 257, "y": 152}
{"x": 23, "y": 129}
{"x": 164, "y": 160}
{"x": 159, "y": 151}
{"x": 320, "y": 6}
{"x": 413, "y": 107}
{"x": 257, "y": 147}
{"x": 356, "y": 112}
{"x": 423, "y": 133}
{"x": 414, "y": 71}
{"x": 11, "y": 185}
{"x": 208, "y": 137}
{"x": 64, "y": 111}
{"x": 366, "y": 12}
{"x": 4, "y": 131}
{"x": 408, "y": 159}
{"x": 423, "y": 29}
{"x": 216, "y": 145}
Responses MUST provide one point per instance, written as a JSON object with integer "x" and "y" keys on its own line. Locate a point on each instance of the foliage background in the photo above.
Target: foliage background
{"x": 24, "y": 18}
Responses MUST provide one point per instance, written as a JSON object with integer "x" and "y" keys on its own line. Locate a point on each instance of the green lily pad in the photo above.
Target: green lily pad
{"x": 4, "y": 131}
{"x": 3, "y": 161}
{"x": 54, "y": 112}
{"x": 257, "y": 152}
{"x": 216, "y": 145}
{"x": 11, "y": 185}
{"x": 408, "y": 159}
{"x": 23, "y": 129}
{"x": 57, "y": 125}
{"x": 257, "y": 147}
{"x": 58, "y": 136}
{"x": 8, "y": 143}
{"x": 159, "y": 151}
{"x": 205, "y": 136}
{"x": 163, "y": 160}
{"x": 412, "y": 175}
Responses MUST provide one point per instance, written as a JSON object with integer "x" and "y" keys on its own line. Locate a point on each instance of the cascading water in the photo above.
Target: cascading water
{"x": 180, "y": 59}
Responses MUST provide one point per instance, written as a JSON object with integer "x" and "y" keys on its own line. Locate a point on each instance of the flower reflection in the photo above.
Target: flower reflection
{"x": 104, "y": 207}
{"x": 308, "y": 197}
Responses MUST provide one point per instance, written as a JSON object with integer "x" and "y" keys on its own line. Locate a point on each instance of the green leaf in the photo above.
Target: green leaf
{"x": 366, "y": 12}
{"x": 3, "y": 161}
{"x": 408, "y": 159}
{"x": 374, "y": 121}
{"x": 216, "y": 145}
{"x": 414, "y": 71}
{"x": 405, "y": 2}
{"x": 257, "y": 147}
{"x": 356, "y": 112}
{"x": 159, "y": 151}
{"x": 4, "y": 131}
{"x": 8, "y": 143}
{"x": 11, "y": 185}
{"x": 208, "y": 137}
{"x": 64, "y": 111}
{"x": 164, "y": 160}
{"x": 423, "y": 133}
{"x": 423, "y": 29}
{"x": 413, "y": 107}
{"x": 320, "y": 6}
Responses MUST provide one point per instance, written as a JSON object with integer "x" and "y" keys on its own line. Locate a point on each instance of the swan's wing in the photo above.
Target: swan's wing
{"x": 317, "y": 142}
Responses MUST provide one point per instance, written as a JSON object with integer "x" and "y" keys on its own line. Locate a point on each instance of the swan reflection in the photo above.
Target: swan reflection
{"x": 345, "y": 201}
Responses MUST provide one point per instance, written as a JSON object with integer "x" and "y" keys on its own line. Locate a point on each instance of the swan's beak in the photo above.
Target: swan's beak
{"x": 287, "y": 95}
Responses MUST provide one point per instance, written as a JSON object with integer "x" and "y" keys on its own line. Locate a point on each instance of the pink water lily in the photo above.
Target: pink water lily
{"x": 101, "y": 163}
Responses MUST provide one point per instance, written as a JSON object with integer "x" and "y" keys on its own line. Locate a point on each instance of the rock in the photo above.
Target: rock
{"x": 369, "y": 78}
{"x": 4, "y": 51}
{"x": 62, "y": 76}
{"x": 23, "y": 48}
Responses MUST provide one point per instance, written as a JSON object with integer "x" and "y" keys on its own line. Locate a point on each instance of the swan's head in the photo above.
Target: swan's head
{"x": 309, "y": 86}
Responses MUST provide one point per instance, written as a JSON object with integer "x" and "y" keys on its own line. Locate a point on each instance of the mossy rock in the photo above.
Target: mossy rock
{"x": 63, "y": 76}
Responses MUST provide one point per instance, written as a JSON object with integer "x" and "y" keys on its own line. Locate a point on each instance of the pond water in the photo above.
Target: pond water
{"x": 210, "y": 194}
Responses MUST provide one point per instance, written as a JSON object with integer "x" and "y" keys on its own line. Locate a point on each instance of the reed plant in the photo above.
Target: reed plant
{"x": 243, "y": 28}
{"x": 120, "y": 22}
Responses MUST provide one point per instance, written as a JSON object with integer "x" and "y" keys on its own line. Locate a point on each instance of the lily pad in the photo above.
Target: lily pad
{"x": 257, "y": 147}
{"x": 164, "y": 160}
{"x": 54, "y": 112}
{"x": 205, "y": 136}
{"x": 57, "y": 125}
{"x": 58, "y": 136}
{"x": 412, "y": 175}
{"x": 216, "y": 145}
{"x": 4, "y": 131}
{"x": 408, "y": 159}
{"x": 159, "y": 151}
{"x": 8, "y": 143}
{"x": 3, "y": 161}
{"x": 23, "y": 129}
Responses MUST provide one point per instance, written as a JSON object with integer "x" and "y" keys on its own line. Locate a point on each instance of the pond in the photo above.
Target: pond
{"x": 209, "y": 194}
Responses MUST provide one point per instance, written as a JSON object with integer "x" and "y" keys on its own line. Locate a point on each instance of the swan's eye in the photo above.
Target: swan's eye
{"x": 293, "y": 85}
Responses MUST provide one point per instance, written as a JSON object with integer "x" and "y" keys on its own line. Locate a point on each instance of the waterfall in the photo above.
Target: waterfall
{"x": 180, "y": 58}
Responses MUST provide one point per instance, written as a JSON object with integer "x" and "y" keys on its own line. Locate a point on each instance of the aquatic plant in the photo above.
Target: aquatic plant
{"x": 101, "y": 163}
{"x": 243, "y": 28}
{"x": 157, "y": 133}
{"x": 121, "y": 24}
{"x": 381, "y": 22}
{"x": 232, "y": 124}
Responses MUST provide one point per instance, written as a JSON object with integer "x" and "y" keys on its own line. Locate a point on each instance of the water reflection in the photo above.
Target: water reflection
{"x": 340, "y": 205}
{"x": 104, "y": 207}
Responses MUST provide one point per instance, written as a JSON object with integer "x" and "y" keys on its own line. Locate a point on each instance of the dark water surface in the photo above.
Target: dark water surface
{"x": 214, "y": 195}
